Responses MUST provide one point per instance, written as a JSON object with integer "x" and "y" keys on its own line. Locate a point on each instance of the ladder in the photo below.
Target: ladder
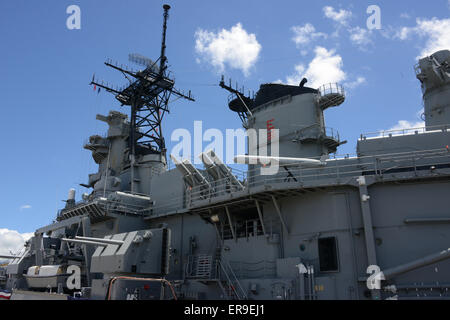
{"x": 233, "y": 288}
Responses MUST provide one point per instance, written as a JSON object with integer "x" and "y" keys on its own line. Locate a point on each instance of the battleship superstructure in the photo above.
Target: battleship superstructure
{"x": 316, "y": 229}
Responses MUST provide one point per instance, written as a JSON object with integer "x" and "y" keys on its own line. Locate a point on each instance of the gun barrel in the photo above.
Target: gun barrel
{"x": 93, "y": 243}
{"x": 7, "y": 257}
{"x": 107, "y": 241}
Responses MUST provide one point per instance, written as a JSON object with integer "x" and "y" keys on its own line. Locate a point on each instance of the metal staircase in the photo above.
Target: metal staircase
{"x": 233, "y": 289}
{"x": 208, "y": 269}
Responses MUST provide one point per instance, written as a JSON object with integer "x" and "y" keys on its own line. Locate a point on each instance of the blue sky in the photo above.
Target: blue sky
{"x": 48, "y": 108}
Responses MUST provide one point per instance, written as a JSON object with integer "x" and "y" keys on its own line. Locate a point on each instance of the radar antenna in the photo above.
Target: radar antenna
{"x": 148, "y": 95}
{"x": 143, "y": 61}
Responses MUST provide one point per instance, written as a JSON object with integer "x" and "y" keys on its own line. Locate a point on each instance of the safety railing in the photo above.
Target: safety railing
{"x": 120, "y": 207}
{"x": 102, "y": 140}
{"x": 227, "y": 274}
{"x": 334, "y": 169}
{"x": 259, "y": 269}
{"x": 206, "y": 268}
{"x": 109, "y": 206}
{"x": 328, "y": 131}
{"x": 249, "y": 228}
{"x": 404, "y": 131}
{"x": 338, "y": 170}
{"x": 331, "y": 95}
{"x": 333, "y": 133}
{"x": 331, "y": 88}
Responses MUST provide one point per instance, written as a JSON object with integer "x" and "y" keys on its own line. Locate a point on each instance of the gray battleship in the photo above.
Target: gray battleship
{"x": 373, "y": 226}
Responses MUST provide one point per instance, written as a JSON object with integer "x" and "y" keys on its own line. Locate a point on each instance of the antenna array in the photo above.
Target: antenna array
{"x": 148, "y": 94}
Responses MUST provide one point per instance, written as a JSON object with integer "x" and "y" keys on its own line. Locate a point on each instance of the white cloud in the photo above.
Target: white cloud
{"x": 405, "y": 125}
{"x": 235, "y": 48}
{"x": 356, "y": 83}
{"x": 305, "y": 34}
{"x": 326, "y": 67}
{"x": 12, "y": 241}
{"x": 405, "y": 15}
{"x": 404, "y": 33}
{"x": 435, "y": 31}
{"x": 297, "y": 77}
{"x": 342, "y": 16}
{"x": 24, "y": 207}
{"x": 360, "y": 37}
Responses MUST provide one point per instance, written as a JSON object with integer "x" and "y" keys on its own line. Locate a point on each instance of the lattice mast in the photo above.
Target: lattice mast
{"x": 148, "y": 95}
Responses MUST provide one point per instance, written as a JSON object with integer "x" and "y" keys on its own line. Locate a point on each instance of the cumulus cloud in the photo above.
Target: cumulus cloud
{"x": 356, "y": 83}
{"x": 234, "y": 48}
{"x": 403, "y": 33}
{"x": 342, "y": 16}
{"x": 360, "y": 37}
{"x": 24, "y": 207}
{"x": 326, "y": 67}
{"x": 405, "y": 15}
{"x": 435, "y": 31}
{"x": 306, "y": 34}
{"x": 405, "y": 125}
{"x": 297, "y": 77}
{"x": 12, "y": 241}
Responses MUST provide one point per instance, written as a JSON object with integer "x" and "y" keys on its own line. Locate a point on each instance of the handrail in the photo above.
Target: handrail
{"x": 406, "y": 131}
{"x": 250, "y": 269}
{"x": 230, "y": 282}
{"x": 331, "y": 88}
{"x": 338, "y": 167}
{"x": 106, "y": 205}
{"x": 346, "y": 169}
